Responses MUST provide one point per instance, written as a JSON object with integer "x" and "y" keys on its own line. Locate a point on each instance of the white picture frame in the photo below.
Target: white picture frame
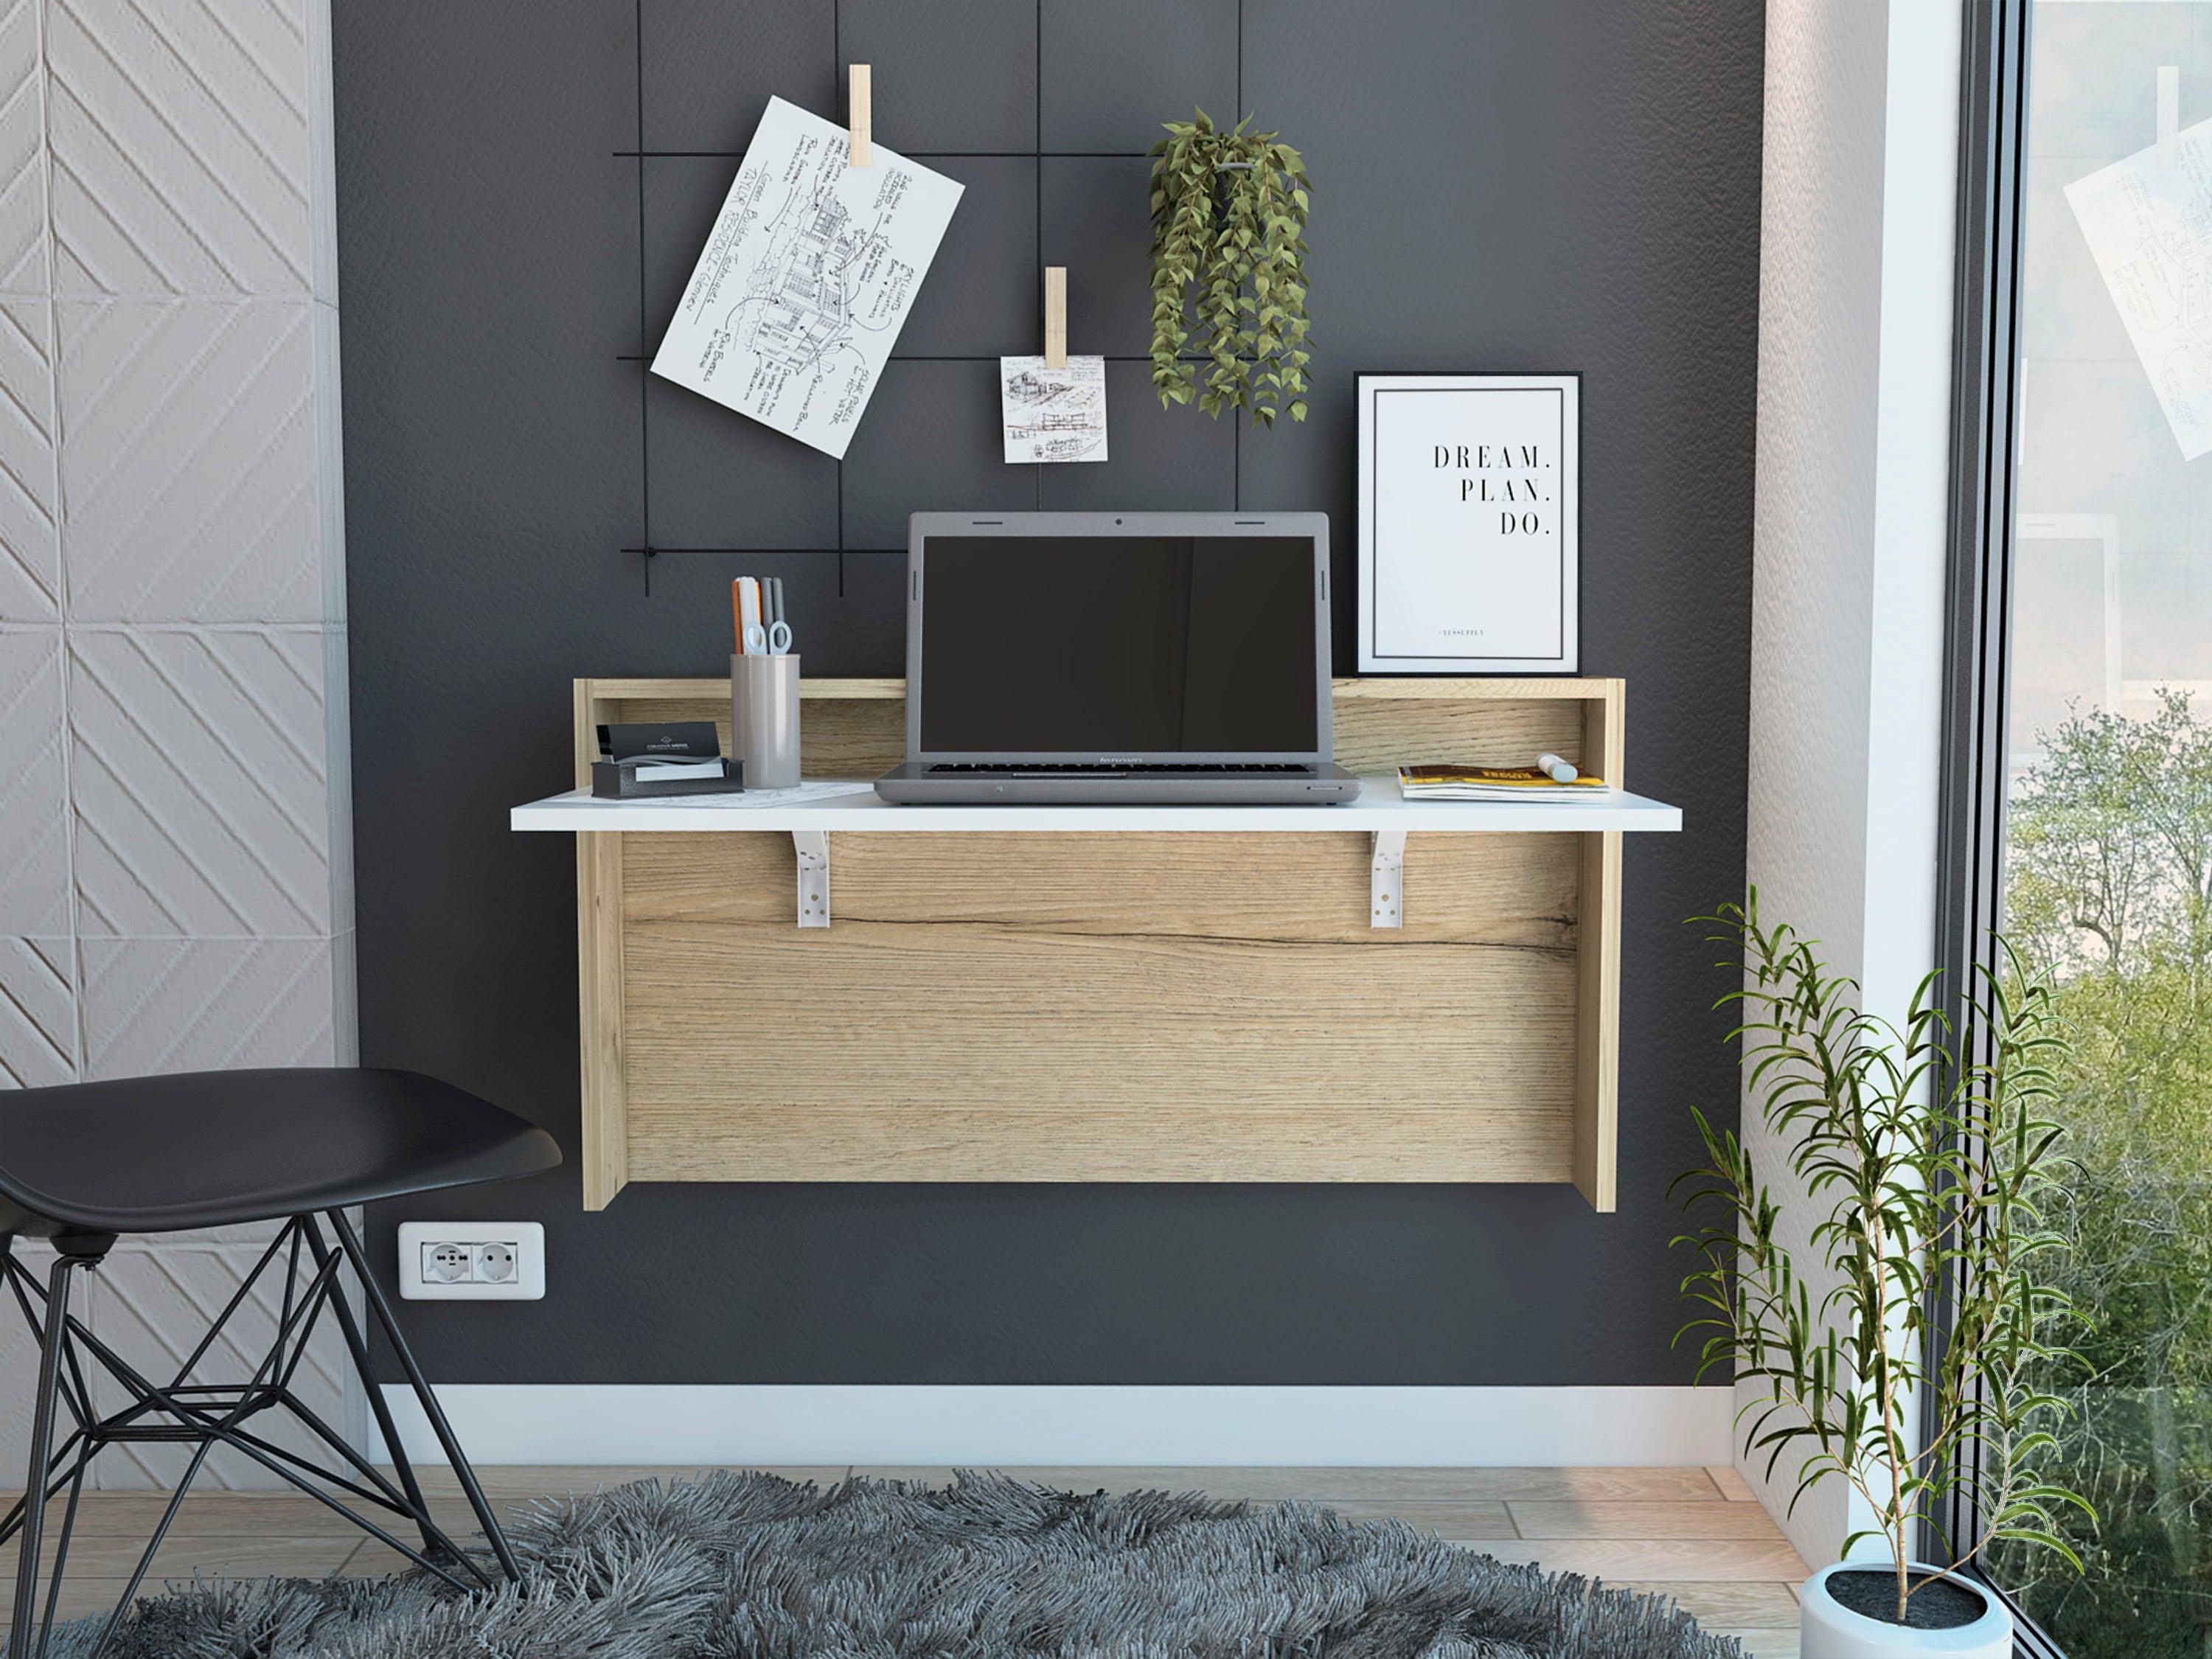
{"x": 1470, "y": 523}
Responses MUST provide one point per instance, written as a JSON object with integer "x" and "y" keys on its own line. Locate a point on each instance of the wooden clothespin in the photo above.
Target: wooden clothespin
{"x": 860, "y": 119}
{"x": 1055, "y": 316}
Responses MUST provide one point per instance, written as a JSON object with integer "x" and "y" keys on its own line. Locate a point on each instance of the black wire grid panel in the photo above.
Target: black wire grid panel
{"x": 646, "y": 548}
{"x": 307, "y": 1269}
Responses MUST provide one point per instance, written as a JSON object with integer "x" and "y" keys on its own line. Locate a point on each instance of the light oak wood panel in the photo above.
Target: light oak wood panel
{"x": 1731, "y": 1483}
{"x": 860, "y": 735}
{"x": 602, "y": 1022}
{"x": 1597, "y": 1061}
{"x": 1377, "y": 736}
{"x": 1611, "y": 1518}
{"x": 857, "y": 728}
{"x": 1519, "y": 890}
{"x": 1691, "y": 1560}
{"x": 1466, "y": 1517}
{"x": 115, "y": 1555}
{"x": 216, "y": 1515}
{"x": 953, "y": 1051}
{"x": 599, "y": 1023}
{"x": 1749, "y": 1604}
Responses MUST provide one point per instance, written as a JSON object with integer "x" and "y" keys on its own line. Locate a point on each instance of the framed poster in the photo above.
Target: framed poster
{"x": 1470, "y": 518}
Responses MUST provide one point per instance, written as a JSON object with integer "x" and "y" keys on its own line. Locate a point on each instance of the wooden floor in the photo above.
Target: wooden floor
{"x": 1693, "y": 1534}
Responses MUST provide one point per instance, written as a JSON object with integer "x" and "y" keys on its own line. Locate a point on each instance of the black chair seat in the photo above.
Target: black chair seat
{"x": 208, "y": 1149}
{"x": 81, "y": 1163}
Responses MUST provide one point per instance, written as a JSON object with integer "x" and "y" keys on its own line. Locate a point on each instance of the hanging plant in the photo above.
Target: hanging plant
{"x": 1228, "y": 219}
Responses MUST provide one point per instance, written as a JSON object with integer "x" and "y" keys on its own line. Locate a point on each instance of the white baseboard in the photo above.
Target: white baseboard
{"x": 992, "y": 1426}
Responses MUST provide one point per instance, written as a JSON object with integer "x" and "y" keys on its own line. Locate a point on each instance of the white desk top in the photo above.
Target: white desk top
{"x": 841, "y": 805}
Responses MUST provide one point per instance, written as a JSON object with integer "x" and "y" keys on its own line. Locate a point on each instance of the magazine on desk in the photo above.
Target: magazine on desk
{"x": 1495, "y": 783}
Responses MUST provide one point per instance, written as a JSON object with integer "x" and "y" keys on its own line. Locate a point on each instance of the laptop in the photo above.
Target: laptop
{"x": 1113, "y": 657}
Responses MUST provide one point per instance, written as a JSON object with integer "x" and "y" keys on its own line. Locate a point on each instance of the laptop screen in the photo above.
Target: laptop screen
{"x": 1112, "y": 645}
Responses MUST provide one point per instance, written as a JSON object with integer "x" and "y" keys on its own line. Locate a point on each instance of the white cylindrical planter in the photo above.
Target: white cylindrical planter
{"x": 1829, "y": 1630}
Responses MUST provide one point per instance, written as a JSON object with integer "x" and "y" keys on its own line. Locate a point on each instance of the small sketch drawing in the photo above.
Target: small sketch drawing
{"x": 1053, "y": 413}
{"x": 806, "y": 278}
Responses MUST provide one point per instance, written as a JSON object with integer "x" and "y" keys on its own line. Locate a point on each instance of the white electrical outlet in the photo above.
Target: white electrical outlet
{"x": 471, "y": 1261}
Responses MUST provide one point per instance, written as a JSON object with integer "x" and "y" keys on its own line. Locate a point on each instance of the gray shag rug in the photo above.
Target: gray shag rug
{"x": 750, "y": 1566}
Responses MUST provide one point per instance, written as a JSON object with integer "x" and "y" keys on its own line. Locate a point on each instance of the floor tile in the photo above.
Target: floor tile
{"x": 1681, "y": 1560}
{"x": 1748, "y": 1605}
{"x": 1602, "y": 1518}
{"x": 1733, "y": 1486}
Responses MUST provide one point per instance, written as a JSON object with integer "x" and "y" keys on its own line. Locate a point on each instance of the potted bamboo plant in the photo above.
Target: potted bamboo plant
{"x": 1923, "y": 1155}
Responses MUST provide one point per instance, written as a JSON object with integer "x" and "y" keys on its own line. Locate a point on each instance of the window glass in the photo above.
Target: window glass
{"x": 2108, "y": 859}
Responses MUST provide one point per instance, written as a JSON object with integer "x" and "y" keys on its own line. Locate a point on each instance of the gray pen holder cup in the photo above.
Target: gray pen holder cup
{"x": 764, "y": 720}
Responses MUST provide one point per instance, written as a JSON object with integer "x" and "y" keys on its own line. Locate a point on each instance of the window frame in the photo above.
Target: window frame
{"x": 1996, "y": 45}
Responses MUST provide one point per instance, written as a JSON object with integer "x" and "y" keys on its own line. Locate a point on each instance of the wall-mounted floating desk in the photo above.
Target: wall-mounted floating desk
{"x": 1380, "y": 991}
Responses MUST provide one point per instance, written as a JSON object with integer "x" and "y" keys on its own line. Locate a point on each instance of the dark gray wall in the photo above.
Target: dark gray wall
{"x": 1495, "y": 185}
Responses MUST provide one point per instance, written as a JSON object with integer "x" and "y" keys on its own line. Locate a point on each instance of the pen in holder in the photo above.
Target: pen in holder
{"x": 764, "y": 718}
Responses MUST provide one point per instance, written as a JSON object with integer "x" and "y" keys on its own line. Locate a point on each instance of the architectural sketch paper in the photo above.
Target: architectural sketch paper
{"x": 806, "y": 279}
{"x": 1053, "y": 413}
{"x": 2149, "y": 223}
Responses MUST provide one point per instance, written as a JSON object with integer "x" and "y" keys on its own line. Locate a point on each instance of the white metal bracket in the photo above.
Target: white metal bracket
{"x": 1387, "y": 878}
{"x": 812, "y": 846}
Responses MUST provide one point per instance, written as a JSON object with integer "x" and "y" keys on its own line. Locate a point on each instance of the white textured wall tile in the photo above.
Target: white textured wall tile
{"x": 337, "y": 766}
{"x": 38, "y": 1013}
{"x": 157, "y": 1300}
{"x": 323, "y": 179}
{"x": 199, "y": 777}
{"x": 22, "y": 151}
{"x": 30, "y": 549}
{"x": 34, "y": 877}
{"x": 181, "y": 156}
{"x": 345, "y": 999}
{"x": 329, "y": 465}
{"x": 154, "y": 1005}
{"x": 189, "y": 463}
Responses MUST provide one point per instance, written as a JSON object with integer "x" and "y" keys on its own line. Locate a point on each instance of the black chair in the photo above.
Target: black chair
{"x": 83, "y": 1163}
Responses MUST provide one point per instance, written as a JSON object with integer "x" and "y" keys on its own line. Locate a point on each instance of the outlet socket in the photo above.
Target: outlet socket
{"x": 471, "y": 1261}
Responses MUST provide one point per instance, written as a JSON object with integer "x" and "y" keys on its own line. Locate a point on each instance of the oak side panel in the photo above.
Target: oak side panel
{"x": 601, "y": 1022}
{"x": 1597, "y": 1065}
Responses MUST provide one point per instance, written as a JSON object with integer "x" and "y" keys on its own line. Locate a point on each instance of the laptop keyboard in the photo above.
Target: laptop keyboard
{"x": 1101, "y": 769}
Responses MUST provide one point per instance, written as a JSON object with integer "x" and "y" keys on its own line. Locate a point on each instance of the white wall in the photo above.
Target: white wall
{"x": 175, "y": 823}
{"x": 982, "y": 1426}
{"x": 1856, "y": 260}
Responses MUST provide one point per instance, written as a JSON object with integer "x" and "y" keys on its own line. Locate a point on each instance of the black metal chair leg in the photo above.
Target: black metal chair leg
{"x": 22, "y": 1633}
{"x": 357, "y": 1347}
{"x": 350, "y": 1244}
